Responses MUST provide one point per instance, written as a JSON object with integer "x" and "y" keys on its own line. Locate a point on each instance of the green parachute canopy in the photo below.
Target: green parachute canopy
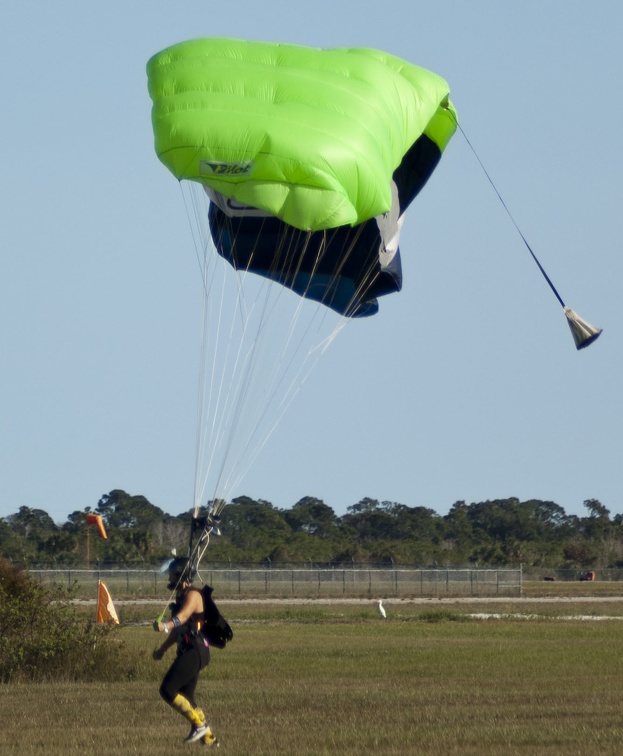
{"x": 309, "y": 136}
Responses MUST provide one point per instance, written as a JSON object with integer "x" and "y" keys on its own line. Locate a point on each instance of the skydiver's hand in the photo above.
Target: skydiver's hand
{"x": 158, "y": 654}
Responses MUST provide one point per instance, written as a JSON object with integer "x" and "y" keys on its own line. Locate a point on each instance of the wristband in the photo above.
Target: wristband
{"x": 165, "y": 627}
{"x": 176, "y": 623}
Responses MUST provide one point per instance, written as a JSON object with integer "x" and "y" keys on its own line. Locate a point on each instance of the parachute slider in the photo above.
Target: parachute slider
{"x": 583, "y": 332}
{"x": 206, "y": 525}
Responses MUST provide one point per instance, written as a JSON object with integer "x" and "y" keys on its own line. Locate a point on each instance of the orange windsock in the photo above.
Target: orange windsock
{"x": 95, "y": 519}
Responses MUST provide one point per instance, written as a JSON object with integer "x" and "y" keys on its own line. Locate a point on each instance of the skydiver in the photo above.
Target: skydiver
{"x": 193, "y": 651}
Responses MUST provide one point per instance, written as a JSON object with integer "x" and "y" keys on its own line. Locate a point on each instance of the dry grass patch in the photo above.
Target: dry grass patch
{"x": 352, "y": 685}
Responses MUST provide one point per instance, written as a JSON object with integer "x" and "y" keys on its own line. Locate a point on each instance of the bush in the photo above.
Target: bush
{"x": 43, "y": 638}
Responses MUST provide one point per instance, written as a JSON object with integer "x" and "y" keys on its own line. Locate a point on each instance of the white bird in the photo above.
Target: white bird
{"x": 382, "y": 611}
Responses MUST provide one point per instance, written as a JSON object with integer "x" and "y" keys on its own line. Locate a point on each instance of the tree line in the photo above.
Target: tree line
{"x": 489, "y": 533}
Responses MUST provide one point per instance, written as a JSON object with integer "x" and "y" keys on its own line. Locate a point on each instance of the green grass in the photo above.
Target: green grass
{"x": 337, "y": 679}
{"x": 572, "y": 589}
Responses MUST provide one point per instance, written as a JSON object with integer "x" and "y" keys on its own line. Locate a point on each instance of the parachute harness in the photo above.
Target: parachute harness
{"x": 205, "y": 526}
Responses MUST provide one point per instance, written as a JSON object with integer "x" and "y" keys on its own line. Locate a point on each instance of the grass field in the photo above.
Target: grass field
{"x": 317, "y": 679}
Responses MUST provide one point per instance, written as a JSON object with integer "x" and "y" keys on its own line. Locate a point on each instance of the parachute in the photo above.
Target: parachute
{"x": 310, "y": 157}
{"x": 300, "y": 164}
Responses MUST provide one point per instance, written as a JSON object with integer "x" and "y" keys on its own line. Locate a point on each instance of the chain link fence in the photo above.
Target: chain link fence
{"x": 297, "y": 582}
{"x": 607, "y": 574}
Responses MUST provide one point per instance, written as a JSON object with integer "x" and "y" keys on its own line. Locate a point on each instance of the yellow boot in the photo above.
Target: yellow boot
{"x": 200, "y": 714}
{"x": 210, "y": 738}
{"x": 199, "y": 728}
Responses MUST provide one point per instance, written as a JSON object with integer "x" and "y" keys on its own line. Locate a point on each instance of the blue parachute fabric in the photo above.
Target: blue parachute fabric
{"x": 343, "y": 268}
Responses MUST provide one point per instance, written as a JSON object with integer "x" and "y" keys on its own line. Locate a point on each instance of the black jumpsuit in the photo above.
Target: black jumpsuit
{"x": 193, "y": 654}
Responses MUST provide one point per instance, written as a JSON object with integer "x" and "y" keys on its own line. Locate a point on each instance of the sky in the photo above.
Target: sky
{"x": 466, "y": 385}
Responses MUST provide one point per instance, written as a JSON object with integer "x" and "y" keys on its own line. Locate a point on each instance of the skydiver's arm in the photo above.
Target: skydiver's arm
{"x": 160, "y": 652}
{"x": 193, "y": 604}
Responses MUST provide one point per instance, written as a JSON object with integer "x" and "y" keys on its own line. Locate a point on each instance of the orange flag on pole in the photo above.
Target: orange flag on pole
{"x": 106, "y": 613}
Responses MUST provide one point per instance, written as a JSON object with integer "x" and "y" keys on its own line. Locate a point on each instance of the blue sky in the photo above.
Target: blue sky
{"x": 466, "y": 386}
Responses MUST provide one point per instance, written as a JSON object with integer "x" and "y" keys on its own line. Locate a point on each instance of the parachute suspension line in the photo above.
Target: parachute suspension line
{"x": 226, "y": 390}
{"x": 247, "y": 362}
{"x": 205, "y": 389}
{"x": 583, "y": 332}
{"x": 210, "y": 419}
{"x": 371, "y": 274}
{"x": 280, "y": 368}
{"x": 195, "y": 223}
{"x": 345, "y": 255}
{"x": 259, "y": 343}
{"x": 305, "y": 363}
{"x": 229, "y": 395}
{"x": 211, "y": 424}
{"x": 514, "y": 222}
{"x": 284, "y": 366}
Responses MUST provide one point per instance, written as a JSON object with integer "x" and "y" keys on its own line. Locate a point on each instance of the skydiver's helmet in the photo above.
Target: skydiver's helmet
{"x": 180, "y": 570}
